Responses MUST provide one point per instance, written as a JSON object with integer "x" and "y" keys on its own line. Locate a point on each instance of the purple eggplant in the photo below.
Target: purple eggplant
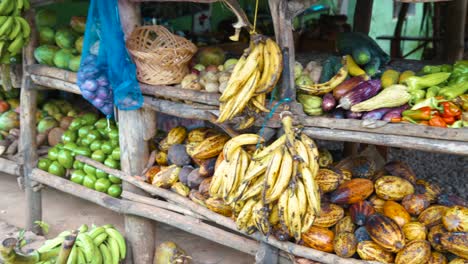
{"x": 338, "y": 113}
{"x": 376, "y": 114}
{"x": 395, "y": 113}
{"x": 328, "y": 102}
{"x": 353, "y": 115}
{"x": 360, "y": 93}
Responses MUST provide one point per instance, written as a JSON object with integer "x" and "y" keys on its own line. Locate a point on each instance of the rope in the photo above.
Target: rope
{"x": 255, "y": 18}
{"x": 270, "y": 115}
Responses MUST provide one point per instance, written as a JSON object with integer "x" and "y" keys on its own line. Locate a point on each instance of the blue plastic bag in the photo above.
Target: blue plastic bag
{"x": 107, "y": 75}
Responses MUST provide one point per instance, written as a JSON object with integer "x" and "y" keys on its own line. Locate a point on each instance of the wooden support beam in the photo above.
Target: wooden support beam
{"x": 363, "y": 16}
{"x": 28, "y": 146}
{"x": 455, "y": 39}
{"x": 395, "y": 45}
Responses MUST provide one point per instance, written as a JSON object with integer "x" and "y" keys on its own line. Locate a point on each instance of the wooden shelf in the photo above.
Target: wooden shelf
{"x": 10, "y": 167}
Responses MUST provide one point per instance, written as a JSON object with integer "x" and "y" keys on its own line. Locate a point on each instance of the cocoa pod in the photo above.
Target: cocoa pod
{"x": 396, "y": 212}
{"x": 456, "y": 219}
{"x": 458, "y": 261}
{"x": 432, "y": 215}
{"x": 434, "y": 235}
{"x": 393, "y": 188}
{"x": 352, "y": 191}
{"x": 207, "y": 167}
{"x": 345, "y": 224}
{"x": 451, "y": 200}
{"x": 345, "y": 244}
{"x": 455, "y": 243}
{"x": 328, "y": 180}
{"x": 329, "y": 215}
{"x": 319, "y": 238}
{"x": 415, "y": 231}
{"x": 415, "y": 252}
{"x": 360, "y": 211}
{"x": 377, "y": 203}
{"x": 360, "y": 166}
{"x": 401, "y": 169}
{"x": 369, "y": 250}
{"x": 437, "y": 258}
{"x": 430, "y": 189}
{"x": 205, "y": 186}
{"x": 362, "y": 234}
{"x": 347, "y": 174}
{"x": 218, "y": 206}
{"x": 415, "y": 203}
{"x": 385, "y": 232}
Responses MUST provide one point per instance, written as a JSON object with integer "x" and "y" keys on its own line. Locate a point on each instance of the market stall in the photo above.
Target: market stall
{"x": 241, "y": 213}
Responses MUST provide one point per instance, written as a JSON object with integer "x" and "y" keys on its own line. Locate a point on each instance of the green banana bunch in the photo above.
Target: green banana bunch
{"x": 14, "y": 29}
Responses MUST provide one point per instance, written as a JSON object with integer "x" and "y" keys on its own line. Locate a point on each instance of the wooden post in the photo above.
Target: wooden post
{"x": 455, "y": 39}
{"x": 363, "y": 16}
{"x": 28, "y": 144}
{"x": 395, "y": 50}
{"x": 267, "y": 254}
{"x": 134, "y": 131}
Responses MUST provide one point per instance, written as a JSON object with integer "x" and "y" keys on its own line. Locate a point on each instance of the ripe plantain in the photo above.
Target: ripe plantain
{"x": 238, "y": 142}
{"x": 284, "y": 176}
{"x": 323, "y": 88}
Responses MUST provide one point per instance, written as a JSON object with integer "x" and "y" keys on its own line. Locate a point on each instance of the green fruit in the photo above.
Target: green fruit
{"x": 46, "y": 18}
{"x": 101, "y": 185}
{"x": 60, "y": 146}
{"x": 98, "y": 155}
{"x": 78, "y": 165}
{"x": 46, "y": 124}
{"x": 114, "y": 179}
{"x": 71, "y": 146}
{"x": 95, "y": 145}
{"x": 65, "y": 38}
{"x": 101, "y": 123}
{"x": 65, "y": 158}
{"x": 56, "y": 169}
{"x": 83, "y": 151}
{"x": 69, "y": 136}
{"x": 84, "y": 130}
{"x": 115, "y": 143}
{"x": 78, "y": 24}
{"x": 101, "y": 174}
{"x": 107, "y": 147}
{"x": 90, "y": 170}
{"x": 53, "y": 153}
{"x": 112, "y": 163}
{"x": 115, "y": 154}
{"x": 89, "y": 181}
{"x": 44, "y": 164}
{"x": 114, "y": 134}
{"x": 62, "y": 58}
{"x": 89, "y": 118}
{"x": 46, "y": 35}
{"x": 115, "y": 190}
{"x": 75, "y": 124}
{"x": 78, "y": 176}
{"x": 74, "y": 63}
{"x": 45, "y": 54}
{"x": 85, "y": 142}
{"x": 93, "y": 135}
{"x": 79, "y": 44}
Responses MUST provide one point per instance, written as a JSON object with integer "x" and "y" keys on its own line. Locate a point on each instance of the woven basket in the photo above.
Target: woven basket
{"x": 161, "y": 57}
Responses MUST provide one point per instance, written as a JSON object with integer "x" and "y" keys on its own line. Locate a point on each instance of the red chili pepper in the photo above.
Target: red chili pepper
{"x": 426, "y": 123}
{"x": 437, "y": 121}
{"x": 450, "y": 110}
{"x": 423, "y": 113}
{"x": 449, "y": 119}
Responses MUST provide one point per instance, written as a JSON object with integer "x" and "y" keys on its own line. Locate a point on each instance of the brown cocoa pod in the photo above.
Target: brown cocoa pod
{"x": 415, "y": 203}
{"x": 352, "y": 191}
{"x": 325, "y": 158}
{"x": 415, "y": 252}
{"x": 197, "y": 197}
{"x": 432, "y": 215}
{"x": 437, "y": 258}
{"x": 360, "y": 211}
{"x": 218, "y": 206}
{"x": 345, "y": 224}
{"x": 401, "y": 169}
{"x": 456, "y": 219}
{"x": 205, "y": 186}
{"x": 414, "y": 231}
{"x": 207, "y": 167}
{"x": 319, "y": 238}
{"x": 377, "y": 203}
{"x": 430, "y": 189}
{"x": 328, "y": 180}
{"x": 451, "y": 200}
{"x": 369, "y": 250}
{"x": 393, "y": 188}
{"x": 360, "y": 166}
{"x": 379, "y": 174}
{"x": 455, "y": 243}
{"x": 434, "y": 235}
{"x": 345, "y": 244}
{"x": 396, "y": 212}
{"x": 385, "y": 232}
{"x": 347, "y": 174}
{"x": 458, "y": 261}
{"x": 329, "y": 215}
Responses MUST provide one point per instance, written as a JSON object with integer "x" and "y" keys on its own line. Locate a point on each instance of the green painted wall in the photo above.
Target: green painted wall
{"x": 66, "y": 9}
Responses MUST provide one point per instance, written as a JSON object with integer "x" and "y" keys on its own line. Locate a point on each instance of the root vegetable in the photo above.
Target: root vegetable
{"x": 212, "y": 87}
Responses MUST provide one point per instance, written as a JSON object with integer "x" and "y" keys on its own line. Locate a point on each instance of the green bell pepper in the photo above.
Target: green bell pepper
{"x": 452, "y": 91}
{"x": 432, "y": 91}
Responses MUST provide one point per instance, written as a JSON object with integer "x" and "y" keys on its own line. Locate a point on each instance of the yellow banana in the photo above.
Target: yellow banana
{"x": 230, "y": 173}
{"x": 273, "y": 169}
{"x": 240, "y": 169}
{"x": 308, "y": 220}
{"x": 301, "y": 197}
{"x": 275, "y": 64}
{"x": 301, "y": 151}
{"x": 254, "y": 189}
{"x": 239, "y": 141}
{"x": 246, "y": 122}
{"x": 323, "y": 88}
{"x": 245, "y": 214}
{"x": 256, "y": 168}
{"x": 311, "y": 187}
{"x": 217, "y": 181}
{"x": 294, "y": 215}
{"x": 270, "y": 149}
{"x": 274, "y": 215}
{"x": 260, "y": 217}
{"x": 283, "y": 209}
{"x": 284, "y": 176}
{"x": 266, "y": 67}
{"x": 287, "y": 122}
{"x": 259, "y": 102}
{"x": 313, "y": 153}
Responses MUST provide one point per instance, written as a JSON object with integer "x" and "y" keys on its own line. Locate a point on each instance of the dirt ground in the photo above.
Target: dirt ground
{"x": 63, "y": 212}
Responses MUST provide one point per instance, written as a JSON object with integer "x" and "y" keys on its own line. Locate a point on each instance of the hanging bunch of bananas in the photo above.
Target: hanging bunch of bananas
{"x": 255, "y": 74}
{"x": 274, "y": 187}
{"x": 326, "y": 87}
{"x": 14, "y": 29}
{"x": 103, "y": 244}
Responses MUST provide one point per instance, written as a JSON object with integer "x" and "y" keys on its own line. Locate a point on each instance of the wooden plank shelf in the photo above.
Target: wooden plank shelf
{"x": 10, "y": 167}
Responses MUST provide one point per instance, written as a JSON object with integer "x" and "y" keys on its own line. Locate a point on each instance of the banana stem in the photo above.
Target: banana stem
{"x": 66, "y": 248}
{"x": 10, "y": 256}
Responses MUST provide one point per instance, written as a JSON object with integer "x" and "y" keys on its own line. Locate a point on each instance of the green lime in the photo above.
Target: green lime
{"x": 70, "y": 146}
{"x": 53, "y": 153}
{"x": 90, "y": 170}
{"x": 44, "y": 164}
{"x": 84, "y": 131}
{"x": 69, "y": 136}
{"x": 113, "y": 134}
{"x": 83, "y": 151}
{"x": 101, "y": 174}
{"x": 95, "y": 145}
{"x": 89, "y": 118}
{"x": 93, "y": 135}
{"x": 116, "y": 154}
{"x": 101, "y": 185}
{"x": 59, "y": 146}
{"x": 86, "y": 142}
{"x": 72, "y": 113}
{"x": 75, "y": 124}
{"x": 101, "y": 123}
{"x": 115, "y": 190}
{"x": 112, "y": 163}
{"x": 65, "y": 158}
{"x": 89, "y": 181}
{"x": 107, "y": 147}
{"x": 56, "y": 169}
{"x": 77, "y": 176}
{"x": 78, "y": 165}
{"x": 98, "y": 155}
{"x": 115, "y": 143}
{"x": 114, "y": 179}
